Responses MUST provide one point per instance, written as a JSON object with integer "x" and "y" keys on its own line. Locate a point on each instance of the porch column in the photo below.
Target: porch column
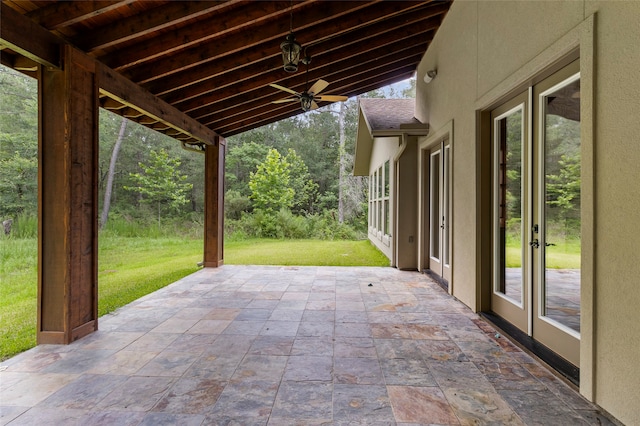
{"x": 68, "y": 200}
{"x": 214, "y": 204}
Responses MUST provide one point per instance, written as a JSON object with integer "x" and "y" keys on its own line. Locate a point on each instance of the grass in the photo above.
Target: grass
{"x": 303, "y": 253}
{"x": 132, "y": 267}
{"x": 565, "y": 255}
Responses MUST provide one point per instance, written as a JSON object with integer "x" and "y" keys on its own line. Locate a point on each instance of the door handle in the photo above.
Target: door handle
{"x": 549, "y": 244}
{"x": 535, "y": 243}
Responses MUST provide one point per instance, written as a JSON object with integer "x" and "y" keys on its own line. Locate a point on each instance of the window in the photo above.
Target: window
{"x": 379, "y": 217}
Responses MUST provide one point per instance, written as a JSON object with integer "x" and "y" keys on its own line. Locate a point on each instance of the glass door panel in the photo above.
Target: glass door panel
{"x": 434, "y": 246}
{"x": 510, "y": 145}
{"x": 562, "y": 205}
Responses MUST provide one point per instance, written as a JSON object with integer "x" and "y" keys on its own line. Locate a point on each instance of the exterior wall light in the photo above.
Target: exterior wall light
{"x": 430, "y": 75}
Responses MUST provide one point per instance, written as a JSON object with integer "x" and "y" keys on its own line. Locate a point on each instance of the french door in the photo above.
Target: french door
{"x": 439, "y": 210}
{"x": 536, "y": 213}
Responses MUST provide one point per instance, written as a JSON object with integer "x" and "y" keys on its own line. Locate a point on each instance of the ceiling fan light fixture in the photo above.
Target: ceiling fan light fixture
{"x": 290, "y": 53}
{"x": 305, "y": 101}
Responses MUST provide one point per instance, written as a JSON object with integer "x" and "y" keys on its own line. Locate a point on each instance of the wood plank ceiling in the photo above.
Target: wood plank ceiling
{"x": 213, "y": 60}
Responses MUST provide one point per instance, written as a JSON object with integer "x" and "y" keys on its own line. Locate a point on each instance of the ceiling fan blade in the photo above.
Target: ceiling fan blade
{"x": 285, "y": 89}
{"x": 331, "y": 98}
{"x": 314, "y": 105}
{"x": 282, "y": 101}
{"x": 318, "y": 87}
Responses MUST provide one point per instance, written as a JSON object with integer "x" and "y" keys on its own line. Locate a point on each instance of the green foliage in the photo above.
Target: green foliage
{"x": 304, "y": 188}
{"x": 161, "y": 182}
{"x": 235, "y": 204}
{"x": 563, "y": 189}
{"x": 270, "y": 190}
{"x": 286, "y": 225}
{"x": 241, "y": 160}
{"x": 18, "y": 144}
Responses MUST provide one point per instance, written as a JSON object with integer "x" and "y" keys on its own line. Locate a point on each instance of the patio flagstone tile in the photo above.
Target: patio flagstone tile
{"x": 123, "y": 363}
{"x": 252, "y": 399}
{"x": 409, "y": 372}
{"x": 228, "y": 345}
{"x": 168, "y": 363}
{"x": 190, "y": 396}
{"x": 362, "y": 404}
{"x": 355, "y": 347}
{"x": 194, "y": 343}
{"x": 136, "y": 394}
{"x": 110, "y": 418}
{"x": 351, "y": 316}
{"x": 424, "y": 405}
{"x": 271, "y": 345}
{"x": 78, "y": 361}
{"x": 153, "y": 342}
{"x": 169, "y": 419}
{"x": 214, "y": 367}
{"x": 309, "y": 368}
{"x": 280, "y": 328}
{"x": 209, "y": 327}
{"x": 304, "y": 401}
{"x": 175, "y": 325}
{"x": 49, "y": 416}
{"x": 33, "y": 389}
{"x": 473, "y": 406}
{"x": 83, "y": 393}
{"x": 260, "y": 367}
{"x": 358, "y": 371}
{"x": 320, "y": 346}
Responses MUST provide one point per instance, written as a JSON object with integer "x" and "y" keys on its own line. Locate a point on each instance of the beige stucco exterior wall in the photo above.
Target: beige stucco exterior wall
{"x": 486, "y": 49}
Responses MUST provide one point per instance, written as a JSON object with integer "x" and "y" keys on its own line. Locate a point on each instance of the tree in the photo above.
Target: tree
{"x": 270, "y": 184}
{"x": 106, "y": 205}
{"x": 161, "y": 182}
{"x": 304, "y": 188}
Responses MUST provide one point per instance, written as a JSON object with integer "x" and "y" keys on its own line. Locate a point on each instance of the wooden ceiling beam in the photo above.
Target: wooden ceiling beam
{"x": 63, "y": 14}
{"x": 114, "y": 85}
{"x": 235, "y": 19}
{"x": 140, "y": 25}
{"x": 22, "y": 35}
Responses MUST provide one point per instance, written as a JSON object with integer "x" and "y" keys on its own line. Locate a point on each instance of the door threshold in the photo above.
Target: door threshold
{"x": 564, "y": 368}
{"x": 438, "y": 279}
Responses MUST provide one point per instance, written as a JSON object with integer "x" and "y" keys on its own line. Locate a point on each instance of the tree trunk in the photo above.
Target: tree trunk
{"x": 341, "y": 115}
{"x": 106, "y": 205}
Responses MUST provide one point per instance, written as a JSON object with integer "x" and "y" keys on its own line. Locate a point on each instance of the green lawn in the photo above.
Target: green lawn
{"x": 562, "y": 256}
{"x": 132, "y": 267}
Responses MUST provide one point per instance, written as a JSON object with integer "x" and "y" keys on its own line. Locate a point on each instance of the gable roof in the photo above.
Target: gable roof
{"x": 390, "y": 115}
{"x": 383, "y": 118}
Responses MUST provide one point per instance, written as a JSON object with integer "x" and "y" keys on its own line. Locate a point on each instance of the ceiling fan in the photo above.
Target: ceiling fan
{"x": 309, "y": 98}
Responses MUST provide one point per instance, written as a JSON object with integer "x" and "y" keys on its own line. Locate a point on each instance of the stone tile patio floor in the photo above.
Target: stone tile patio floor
{"x": 261, "y": 345}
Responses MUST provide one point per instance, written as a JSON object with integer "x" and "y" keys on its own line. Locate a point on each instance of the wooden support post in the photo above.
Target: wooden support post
{"x": 214, "y": 204}
{"x": 68, "y": 200}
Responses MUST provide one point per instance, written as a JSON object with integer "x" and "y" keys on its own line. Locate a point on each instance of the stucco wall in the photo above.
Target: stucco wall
{"x": 478, "y": 50}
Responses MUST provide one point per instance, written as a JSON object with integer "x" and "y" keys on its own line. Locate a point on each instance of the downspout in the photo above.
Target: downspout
{"x": 396, "y": 204}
